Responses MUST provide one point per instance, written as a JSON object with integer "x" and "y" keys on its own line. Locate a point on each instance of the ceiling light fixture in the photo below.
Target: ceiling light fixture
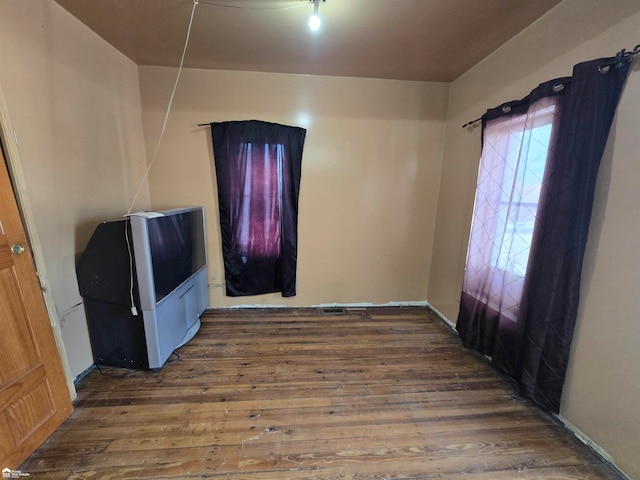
{"x": 314, "y": 20}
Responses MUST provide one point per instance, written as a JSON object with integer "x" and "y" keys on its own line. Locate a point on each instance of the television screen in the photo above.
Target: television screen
{"x": 177, "y": 249}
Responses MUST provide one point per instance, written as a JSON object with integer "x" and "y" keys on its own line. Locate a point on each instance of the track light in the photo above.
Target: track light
{"x": 314, "y": 20}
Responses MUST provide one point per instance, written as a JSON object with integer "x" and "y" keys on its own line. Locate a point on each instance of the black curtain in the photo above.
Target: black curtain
{"x": 258, "y": 169}
{"x": 552, "y": 289}
{"x": 535, "y": 348}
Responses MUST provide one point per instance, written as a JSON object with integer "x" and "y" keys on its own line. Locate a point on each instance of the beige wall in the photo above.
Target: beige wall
{"x": 371, "y": 168}
{"x": 603, "y": 385}
{"x": 74, "y": 104}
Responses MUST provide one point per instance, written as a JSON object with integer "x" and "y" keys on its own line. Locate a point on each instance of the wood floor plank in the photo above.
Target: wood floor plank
{"x": 295, "y": 393}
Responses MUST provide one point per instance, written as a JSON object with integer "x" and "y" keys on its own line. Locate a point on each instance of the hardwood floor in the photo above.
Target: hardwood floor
{"x": 297, "y": 394}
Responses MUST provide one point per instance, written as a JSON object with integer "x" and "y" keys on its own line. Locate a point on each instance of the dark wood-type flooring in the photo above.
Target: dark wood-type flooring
{"x": 384, "y": 393}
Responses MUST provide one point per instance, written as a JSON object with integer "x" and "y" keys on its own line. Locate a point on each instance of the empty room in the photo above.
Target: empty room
{"x": 320, "y": 239}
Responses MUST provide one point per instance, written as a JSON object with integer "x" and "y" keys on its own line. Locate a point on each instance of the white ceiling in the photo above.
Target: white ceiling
{"x": 430, "y": 40}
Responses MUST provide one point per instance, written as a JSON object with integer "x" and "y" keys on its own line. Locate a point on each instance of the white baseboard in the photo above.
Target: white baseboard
{"x": 584, "y": 438}
{"x": 421, "y": 303}
{"x": 443, "y": 318}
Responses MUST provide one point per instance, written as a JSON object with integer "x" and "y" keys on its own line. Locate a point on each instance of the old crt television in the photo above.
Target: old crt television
{"x": 144, "y": 284}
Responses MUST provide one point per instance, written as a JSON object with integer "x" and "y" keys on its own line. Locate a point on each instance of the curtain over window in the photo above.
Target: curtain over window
{"x": 536, "y": 182}
{"x": 258, "y": 167}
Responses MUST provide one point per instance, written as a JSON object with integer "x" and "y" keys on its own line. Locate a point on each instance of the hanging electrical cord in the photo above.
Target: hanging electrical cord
{"x": 145, "y": 177}
{"x": 256, "y": 5}
{"x": 166, "y": 117}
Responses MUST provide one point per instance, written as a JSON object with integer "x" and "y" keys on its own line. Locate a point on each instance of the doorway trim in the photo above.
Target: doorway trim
{"x": 14, "y": 166}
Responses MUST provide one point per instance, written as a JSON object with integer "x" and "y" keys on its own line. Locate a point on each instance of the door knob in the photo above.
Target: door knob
{"x": 17, "y": 249}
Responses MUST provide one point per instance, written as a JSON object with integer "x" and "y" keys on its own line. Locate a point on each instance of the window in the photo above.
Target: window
{"x": 510, "y": 180}
{"x": 259, "y": 199}
{"x": 519, "y": 211}
{"x": 258, "y": 170}
{"x": 559, "y": 131}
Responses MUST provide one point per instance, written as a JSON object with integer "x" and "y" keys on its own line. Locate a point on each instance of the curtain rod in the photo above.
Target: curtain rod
{"x": 471, "y": 122}
{"x": 621, "y": 56}
{"x": 204, "y": 124}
